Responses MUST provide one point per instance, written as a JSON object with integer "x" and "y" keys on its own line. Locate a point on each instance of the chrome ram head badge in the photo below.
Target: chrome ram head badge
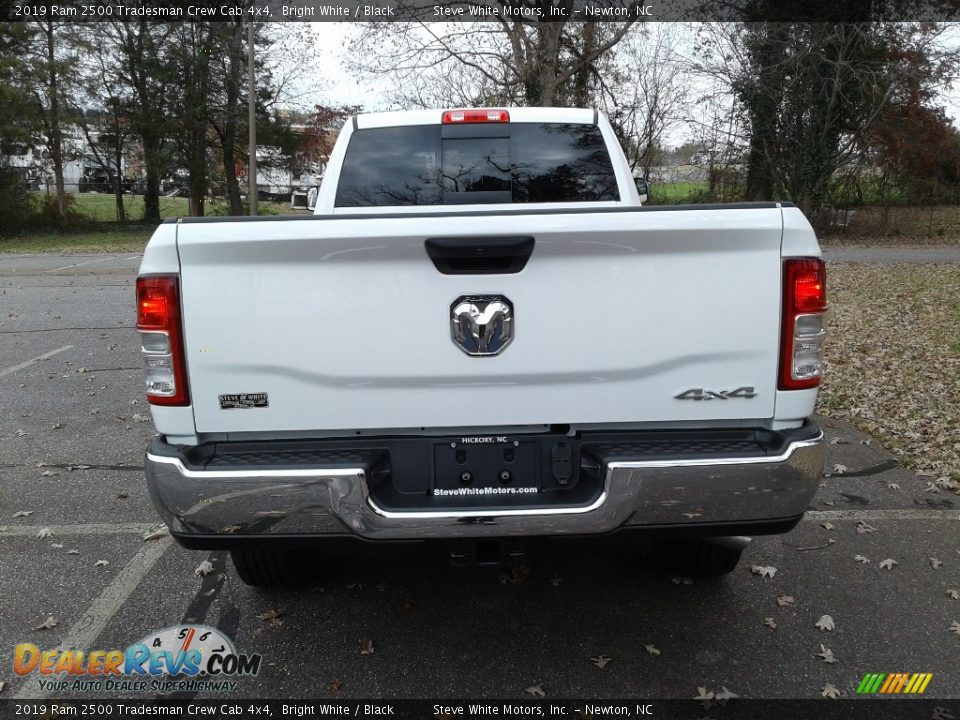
{"x": 481, "y": 324}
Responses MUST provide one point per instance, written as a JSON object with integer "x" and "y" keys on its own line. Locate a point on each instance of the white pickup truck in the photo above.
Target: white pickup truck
{"x": 481, "y": 334}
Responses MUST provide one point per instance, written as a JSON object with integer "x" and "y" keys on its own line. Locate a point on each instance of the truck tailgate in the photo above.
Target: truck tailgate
{"x": 345, "y": 322}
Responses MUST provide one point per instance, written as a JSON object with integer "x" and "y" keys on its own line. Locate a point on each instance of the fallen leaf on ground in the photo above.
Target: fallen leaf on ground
{"x": 825, "y": 623}
{"x": 157, "y": 533}
{"x": 652, "y": 649}
{"x": 784, "y": 600}
{"x": 366, "y": 647}
{"x": 955, "y": 627}
{"x": 725, "y": 695}
{"x": 827, "y": 654}
{"x": 840, "y": 469}
{"x": 829, "y": 691}
{"x": 336, "y": 684}
{"x": 893, "y": 486}
{"x": 935, "y": 564}
{"x": 48, "y": 624}
{"x": 44, "y": 533}
{"x": 535, "y": 691}
{"x": 2, "y": 686}
{"x": 270, "y": 615}
{"x": 941, "y": 713}
{"x": 955, "y": 594}
{"x": 48, "y": 473}
{"x": 203, "y": 569}
{"x": 23, "y": 513}
{"x": 861, "y": 559}
{"x": 601, "y": 661}
{"x": 705, "y": 697}
{"x": 863, "y": 527}
{"x": 764, "y": 571}
{"x": 888, "y": 563}
{"x": 58, "y": 546}
{"x": 827, "y": 526}
{"x": 101, "y": 563}
{"x": 770, "y": 623}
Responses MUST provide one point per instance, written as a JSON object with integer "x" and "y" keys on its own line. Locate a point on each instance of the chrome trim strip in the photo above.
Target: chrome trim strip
{"x": 764, "y": 459}
{"x": 461, "y": 514}
{"x": 246, "y": 474}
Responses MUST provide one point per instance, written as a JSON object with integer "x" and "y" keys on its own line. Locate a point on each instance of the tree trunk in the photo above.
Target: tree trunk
{"x": 56, "y": 139}
{"x": 151, "y": 171}
{"x": 118, "y": 163}
{"x": 230, "y": 126}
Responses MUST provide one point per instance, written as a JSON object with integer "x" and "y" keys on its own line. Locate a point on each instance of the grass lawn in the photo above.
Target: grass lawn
{"x": 893, "y": 359}
{"x": 120, "y": 240}
{"x": 103, "y": 208}
{"x": 105, "y": 235}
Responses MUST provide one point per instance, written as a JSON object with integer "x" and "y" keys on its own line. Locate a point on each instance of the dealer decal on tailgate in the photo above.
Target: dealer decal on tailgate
{"x": 243, "y": 400}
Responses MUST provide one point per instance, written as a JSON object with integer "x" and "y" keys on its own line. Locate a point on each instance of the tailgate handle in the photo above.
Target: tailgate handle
{"x": 481, "y": 255}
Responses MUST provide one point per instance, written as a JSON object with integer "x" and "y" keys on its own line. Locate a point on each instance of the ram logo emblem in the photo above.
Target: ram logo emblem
{"x": 481, "y": 325}
{"x": 701, "y": 394}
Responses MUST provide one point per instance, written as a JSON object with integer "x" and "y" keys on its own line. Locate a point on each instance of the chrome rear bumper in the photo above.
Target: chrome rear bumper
{"x": 204, "y": 506}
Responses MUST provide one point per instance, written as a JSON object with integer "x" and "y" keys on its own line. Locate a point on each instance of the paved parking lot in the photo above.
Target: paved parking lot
{"x": 72, "y": 430}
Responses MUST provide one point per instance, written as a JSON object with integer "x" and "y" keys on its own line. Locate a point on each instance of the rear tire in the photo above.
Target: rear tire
{"x": 698, "y": 557}
{"x": 270, "y": 567}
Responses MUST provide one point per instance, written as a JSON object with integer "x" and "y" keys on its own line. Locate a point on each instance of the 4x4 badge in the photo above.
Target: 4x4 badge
{"x": 701, "y": 394}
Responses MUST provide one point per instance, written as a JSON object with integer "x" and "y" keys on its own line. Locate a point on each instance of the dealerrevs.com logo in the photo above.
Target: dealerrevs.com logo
{"x": 182, "y": 658}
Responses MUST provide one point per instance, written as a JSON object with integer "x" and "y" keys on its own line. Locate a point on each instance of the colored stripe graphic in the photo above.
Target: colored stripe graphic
{"x": 894, "y": 683}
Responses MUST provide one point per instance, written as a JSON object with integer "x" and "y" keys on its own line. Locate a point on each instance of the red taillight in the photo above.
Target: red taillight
{"x": 475, "y": 116}
{"x": 152, "y": 293}
{"x": 802, "y": 329}
{"x": 161, "y": 339}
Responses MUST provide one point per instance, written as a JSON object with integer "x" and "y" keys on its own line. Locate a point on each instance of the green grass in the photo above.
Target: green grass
{"x": 112, "y": 240}
{"x": 103, "y": 208}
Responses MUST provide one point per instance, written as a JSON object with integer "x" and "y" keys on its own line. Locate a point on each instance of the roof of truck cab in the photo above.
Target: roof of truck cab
{"x": 517, "y": 114}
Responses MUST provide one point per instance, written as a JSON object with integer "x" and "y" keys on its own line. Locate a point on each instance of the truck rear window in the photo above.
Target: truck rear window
{"x": 467, "y": 164}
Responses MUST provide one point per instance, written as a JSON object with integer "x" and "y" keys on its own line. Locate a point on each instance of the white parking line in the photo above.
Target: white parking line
{"x": 929, "y": 514}
{"x": 88, "y": 262}
{"x": 70, "y": 530}
{"x": 31, "y": 361}
{"x": 93, "y": 622}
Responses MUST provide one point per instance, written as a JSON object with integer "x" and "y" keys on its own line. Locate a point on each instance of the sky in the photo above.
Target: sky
{"x": 339, "y": 86}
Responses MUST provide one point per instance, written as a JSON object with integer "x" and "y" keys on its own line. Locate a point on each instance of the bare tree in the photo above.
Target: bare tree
{"x": 502, "y": 60}
{"x": 646, "y": 91}
{"x": 47, "y": 70}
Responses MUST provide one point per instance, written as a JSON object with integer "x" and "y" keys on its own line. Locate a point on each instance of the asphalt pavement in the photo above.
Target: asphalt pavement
{"x": 73, "y": 428}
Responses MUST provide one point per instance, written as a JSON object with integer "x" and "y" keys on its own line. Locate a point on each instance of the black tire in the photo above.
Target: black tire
{"x": 697, "y": 557}
{"x": 272, "y": 567}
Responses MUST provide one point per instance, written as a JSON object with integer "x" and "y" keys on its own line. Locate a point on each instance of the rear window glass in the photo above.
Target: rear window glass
{"x": 520, "y": 163}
